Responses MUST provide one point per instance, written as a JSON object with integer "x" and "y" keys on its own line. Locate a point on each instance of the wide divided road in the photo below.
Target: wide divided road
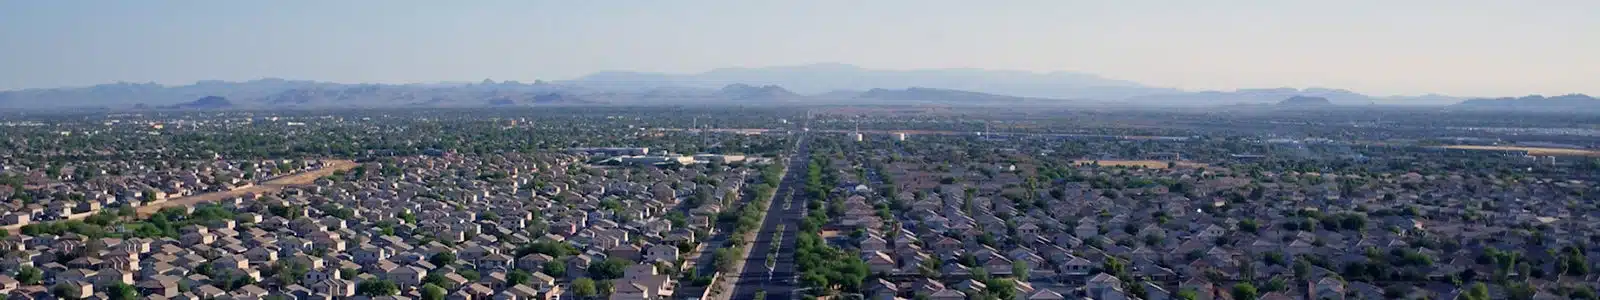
{"x": 778, "y": 282}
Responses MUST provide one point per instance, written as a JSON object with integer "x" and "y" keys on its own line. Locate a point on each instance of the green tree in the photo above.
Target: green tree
{"x": 1244, "y": 291}
{"x": 555, "y": 269}
{"x": 1520, "y": 291}
{"x": 348, "y": 273}
{"x": 1274, "y": 258}
{"x": 1302, "y": 269}
{"x": 603, "y": 287}
{"x": 377, "y": 287}
{"x": 29, "y": 275}
{"x": 518, "y": 277}
{"x": 1188, "y": 295}
{"x": 1002, "y": 288}
{"x": 1276, "y": 284}
{"x": 437, "y": 279}
{"x": 814, "y": 279}
{"x": 469, "y": 274}
{"x": 1137, "y": 290}
{"x": 239, "y": 281}
{"x": 122, "y": 291}
{"x": 1248, "y": 225}
{"x": 584, "y": 288}
{"x": 1020, "y": 269}
{"x": 1583, "y": 292}
{"x": 724, "y": 258}
{"x": 609, "y": 269}
{"x": 553, "y": 249}
{"x": 1478, "y": 291}
{"x": 1573, "y": 262}
{"x": 432, "y": 292}
{"x": 1115, "y": 268}
{"x": 64, "y": 291}
{"x": 286, "y": 271}
{"x": 442, "y": 259}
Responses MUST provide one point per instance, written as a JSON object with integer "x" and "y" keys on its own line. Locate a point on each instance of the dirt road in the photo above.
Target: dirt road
{"x": 271, "y": 186}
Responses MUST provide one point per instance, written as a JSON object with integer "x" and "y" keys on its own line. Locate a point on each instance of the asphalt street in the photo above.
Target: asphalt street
{"x": 778, "y": 282}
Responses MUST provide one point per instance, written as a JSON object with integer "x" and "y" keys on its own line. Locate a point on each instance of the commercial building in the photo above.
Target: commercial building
{"x": 719, "y": 158}
{"x": 611, "y": 151}
{"x": 656, "y": 160}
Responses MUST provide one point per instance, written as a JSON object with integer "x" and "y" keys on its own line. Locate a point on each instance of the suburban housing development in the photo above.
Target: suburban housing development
{"x": 788, "y": 203}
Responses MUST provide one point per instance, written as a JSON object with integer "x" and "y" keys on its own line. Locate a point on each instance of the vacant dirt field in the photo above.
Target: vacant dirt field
{"x": 1152, "y": 164}
{"x": 1536, "y": 151}
{"x": 270, "y": 186}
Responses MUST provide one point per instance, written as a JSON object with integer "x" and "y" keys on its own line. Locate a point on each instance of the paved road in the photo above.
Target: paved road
{"x": 778, "y": 282}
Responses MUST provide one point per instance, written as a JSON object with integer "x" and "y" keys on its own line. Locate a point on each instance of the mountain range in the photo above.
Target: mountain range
{"x": 824, "y": 78}
{"x": 1563, "y": 103}
{"x": 1305, "y": 101}
{"x": 804, "y": 84}
{"x": 207, "y": 102}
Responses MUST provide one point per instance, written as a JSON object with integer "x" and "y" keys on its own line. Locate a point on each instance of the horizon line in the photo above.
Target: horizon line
{"x": 1175, "y": 90}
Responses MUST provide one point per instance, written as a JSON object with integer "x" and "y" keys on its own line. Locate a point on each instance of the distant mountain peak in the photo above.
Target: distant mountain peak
{"x": 558, "y": 97}
{"x": 740, "y": 91}
{"x": 207, "y": 102}
{"x": 1536, "y": 98}
{"x": 1305, "y": 101}
{"x": 923, "y": 94}
{"x": 831, "y": 65}
{"x": 813, "y": 67}
{"x": 1565, "y": 103}
{"x": 1273, "y": 96}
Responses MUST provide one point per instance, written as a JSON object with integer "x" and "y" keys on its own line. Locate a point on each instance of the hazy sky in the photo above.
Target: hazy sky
{"x": 1458, "y": 47}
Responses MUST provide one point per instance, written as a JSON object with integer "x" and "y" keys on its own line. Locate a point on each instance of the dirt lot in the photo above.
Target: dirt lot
{"x": 270, "y": 186}
{"x": 1152, "y": 164}
{"x": 1536, "y": 151}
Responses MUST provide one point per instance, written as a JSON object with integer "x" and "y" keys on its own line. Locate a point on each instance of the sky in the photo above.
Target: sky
{"x": 1454, "y": 47}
